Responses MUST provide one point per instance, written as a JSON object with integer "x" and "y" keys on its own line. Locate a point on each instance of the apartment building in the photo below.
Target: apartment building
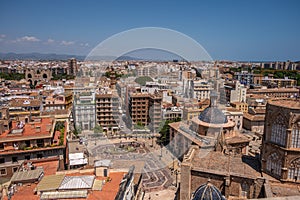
{"x": 23, "y": 109}
{"x": 275, "y": 92}
{"x": 58, "y": 101}
{"x": 84, "y": 111}
{"x": 172, "y": 113}
{"x": 202, "y": 89}
{"x": 145, "y": 109}
{"x": 107, "y": 112}
{"x": 34, "y": 140}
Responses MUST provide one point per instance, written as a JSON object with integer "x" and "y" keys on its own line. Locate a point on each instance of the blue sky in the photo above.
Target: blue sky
{"x": 227, "y": 29}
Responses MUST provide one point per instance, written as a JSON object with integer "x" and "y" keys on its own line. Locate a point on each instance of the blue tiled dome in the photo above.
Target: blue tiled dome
{"x": 213, "y": 115}
{"x": 208, "y": 192}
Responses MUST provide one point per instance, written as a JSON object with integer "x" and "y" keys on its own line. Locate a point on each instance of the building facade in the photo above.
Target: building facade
{"x": 34, "y": 140}
{"x": 281, "y": 141}
{"x": 84, "y": 110}
{"x": 146, "y": 109}
{"x": 107, "y": 112}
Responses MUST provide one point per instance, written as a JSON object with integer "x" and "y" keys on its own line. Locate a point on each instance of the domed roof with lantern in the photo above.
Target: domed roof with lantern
{"x": 207, "y": 192}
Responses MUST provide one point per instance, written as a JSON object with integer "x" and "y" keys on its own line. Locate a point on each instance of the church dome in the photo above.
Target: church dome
{"x": 213, "y": 115}
{"x": 208, "y": 192}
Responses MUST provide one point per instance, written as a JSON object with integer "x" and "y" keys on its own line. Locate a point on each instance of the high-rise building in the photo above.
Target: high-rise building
{"x": 73, "y": 67}
{"x": 84, "y": 111}
{"x": 107, "y": 108}
{"x": 239, "y": 93}
{"x": 244, "y": 77}
{"x": 145, "y": 109}
{"x": 281, "y": 141}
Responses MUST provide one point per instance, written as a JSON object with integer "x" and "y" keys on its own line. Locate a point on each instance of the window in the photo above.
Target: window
{"x": 278, "y": 134}
{"x": 1, "y": 146}
{"x": 27, "y": 143}
{"x": 2, "y": 172}
{"x": 274, "y": 164}
{"x": 27, "y": 157}
{"x": 296, "y": 137}
{"x": 294, "y": 170}
{"x": 40, "y": 142}
{"x": 39, "y": 155}
{"x": 245, "y": 189}
{"x": 2, "y": 160}
{"x": 14, "y": 159}
{"x": 14, "y": 169}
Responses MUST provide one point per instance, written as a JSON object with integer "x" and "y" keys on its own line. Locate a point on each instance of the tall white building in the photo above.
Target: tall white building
{"x": 84, "y": 110}
{"x": 239, "y": 93}
{"x": 202, "y": 89}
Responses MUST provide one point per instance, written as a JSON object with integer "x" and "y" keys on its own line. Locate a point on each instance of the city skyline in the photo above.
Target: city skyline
{"x": 231, "y": 30}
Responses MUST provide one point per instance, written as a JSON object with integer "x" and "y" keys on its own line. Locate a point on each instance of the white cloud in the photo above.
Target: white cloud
{"x": 67, "y": 43}
{"x": 2, "y": 36}
{"x": 50, "y": 41}
{"x": 28, "y": 39}
{"x": 84, "y": 44}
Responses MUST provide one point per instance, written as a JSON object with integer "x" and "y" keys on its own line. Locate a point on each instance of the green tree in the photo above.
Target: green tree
{"x": 139, "y": 125}
{"x": 12, "y": 76}
{"x": 98, "y": 129}
{"x": 165, "y": 131}
{"x": 143, "y": 79}
{"x": 77, "y": 131}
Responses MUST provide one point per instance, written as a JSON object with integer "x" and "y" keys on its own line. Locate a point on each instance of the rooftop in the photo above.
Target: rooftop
{"x": 77, "y": 182}
{"x": 51, "y": 182}
{"x": 218, "y": 163}
{"x": 283, "y": 190}
{"x": 208, "y": 192}
{"x": 33, "y": 130}
{"x": 273, "y": 90}
{"x": 24, "y": 103}
{"x": 254, "y": 117}
{"x": 287, "y": 103}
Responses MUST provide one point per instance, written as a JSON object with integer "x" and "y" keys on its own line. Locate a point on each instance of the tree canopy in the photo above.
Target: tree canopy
{"x": 143, "y": 79}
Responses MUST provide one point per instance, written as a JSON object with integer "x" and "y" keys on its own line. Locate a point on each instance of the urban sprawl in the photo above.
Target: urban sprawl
{"x": 149, "y": 130}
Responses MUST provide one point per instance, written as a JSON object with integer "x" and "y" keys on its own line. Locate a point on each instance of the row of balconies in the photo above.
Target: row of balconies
{"x": 104, "y": 106}
{"x": 103, "y": 115}
{"x": 104, "y": 110}
{"x": 25, "y": 145}
{"x": 134, "y": 102}
{"x": 138, "y": 108}
{"x": 103, "y": 101}
{"x": 112, "y": 123}
{"x": 106, "y": 119}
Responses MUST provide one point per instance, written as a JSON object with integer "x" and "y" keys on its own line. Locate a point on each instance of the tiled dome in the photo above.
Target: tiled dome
{"x": 208, "y": 192}
{"x": 213, "y": 115}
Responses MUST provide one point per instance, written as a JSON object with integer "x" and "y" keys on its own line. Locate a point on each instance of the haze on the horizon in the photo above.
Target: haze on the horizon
{"x": 228, "y": 30}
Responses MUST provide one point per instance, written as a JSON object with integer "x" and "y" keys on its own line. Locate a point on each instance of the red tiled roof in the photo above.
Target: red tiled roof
{"x": 26, "y": 192}
{"x": 110, "y": 189}
{"x": 20, "y": 102}
{"x": 29, "y": 130}
{"x": 50, "y": 167}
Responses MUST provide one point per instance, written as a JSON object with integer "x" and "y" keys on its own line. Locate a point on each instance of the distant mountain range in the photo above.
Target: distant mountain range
{"x": 38, "y": 56}
{"x": 53, "y": 56}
